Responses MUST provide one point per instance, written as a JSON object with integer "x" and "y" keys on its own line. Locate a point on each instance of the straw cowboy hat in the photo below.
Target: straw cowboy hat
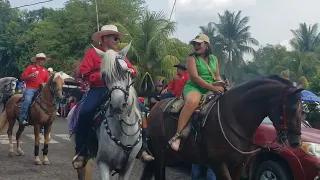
{"x": 106, "y": 30}
{"x": 201, "y": 38}
{"x": 40, "y": 55}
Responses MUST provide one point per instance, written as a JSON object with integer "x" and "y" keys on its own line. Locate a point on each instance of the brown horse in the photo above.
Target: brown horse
{"x": 42, "y": 113}
{"x": 226, "y": 140}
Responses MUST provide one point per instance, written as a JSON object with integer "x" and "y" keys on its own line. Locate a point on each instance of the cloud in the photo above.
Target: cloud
{"x": 202, "y": 11}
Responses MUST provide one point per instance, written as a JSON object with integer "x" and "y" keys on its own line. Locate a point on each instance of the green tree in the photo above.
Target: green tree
{"x": 306, "y": 38}
{"x": 235, "y": 38}
{"x": 154, "y": 53}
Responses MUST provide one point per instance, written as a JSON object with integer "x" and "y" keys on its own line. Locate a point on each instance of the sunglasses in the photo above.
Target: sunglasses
{"x": 196, "y": 44}
{"x": 116, "y": 39}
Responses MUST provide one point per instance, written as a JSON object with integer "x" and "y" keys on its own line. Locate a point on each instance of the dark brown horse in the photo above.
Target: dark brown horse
{"x": 226, "y": 140}
{"x": 42, "y": 113}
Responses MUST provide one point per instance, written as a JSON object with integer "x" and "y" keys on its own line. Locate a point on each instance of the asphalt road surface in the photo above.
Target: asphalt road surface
{"x": 60, "y": 155}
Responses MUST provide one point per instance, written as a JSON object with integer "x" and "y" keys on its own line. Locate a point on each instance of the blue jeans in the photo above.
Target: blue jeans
{"x": 168, "y": 94}
{"x": 91, "y": 103}
{"x": 195, "y": 173}
{"x": 142, "y": 108}
{"x": 27, "y": 99}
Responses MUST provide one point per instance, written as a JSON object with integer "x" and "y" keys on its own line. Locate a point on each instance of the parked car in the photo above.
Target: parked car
{"x": 285, "y": 163}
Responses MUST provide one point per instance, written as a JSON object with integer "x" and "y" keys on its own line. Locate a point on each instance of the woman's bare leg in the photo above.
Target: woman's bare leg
{"x": 192, "y": 102}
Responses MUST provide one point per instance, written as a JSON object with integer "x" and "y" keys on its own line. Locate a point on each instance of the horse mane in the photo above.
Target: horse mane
{"x": 253, "y": 89}
{"x": 110, "y": 67}
{"x": 135, "y": 102}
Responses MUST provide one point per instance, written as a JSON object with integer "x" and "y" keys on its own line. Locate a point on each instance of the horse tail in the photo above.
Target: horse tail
{"x": 3, "y": 122}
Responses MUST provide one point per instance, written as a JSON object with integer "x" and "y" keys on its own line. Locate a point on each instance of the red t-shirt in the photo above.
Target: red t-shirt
{"x": 91, "y": 61}
{"x": 177, "y": 85}
{"x": 34, "y": 83}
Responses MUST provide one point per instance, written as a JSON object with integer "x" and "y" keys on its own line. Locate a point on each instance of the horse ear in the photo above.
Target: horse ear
{"x": 99, "y": 52}
{"x": 299, "y": 90}
{"x": 125, "y": 50}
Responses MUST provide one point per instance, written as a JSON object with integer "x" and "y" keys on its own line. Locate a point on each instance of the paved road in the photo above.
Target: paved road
{"x": 60, "y": 155}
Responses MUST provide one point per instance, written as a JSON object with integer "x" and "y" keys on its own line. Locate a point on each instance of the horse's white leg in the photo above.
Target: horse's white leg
{"x": 11, "y": 150}
{"x": 104, "y": 171}
{"x": 125, "y": 175}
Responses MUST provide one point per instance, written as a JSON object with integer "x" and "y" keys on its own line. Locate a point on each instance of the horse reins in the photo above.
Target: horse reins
{"x": 282, "y": 134}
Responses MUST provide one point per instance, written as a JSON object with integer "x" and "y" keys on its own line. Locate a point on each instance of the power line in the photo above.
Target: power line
{"x": 174, "y": 4}
{"x": 41, "y": 2}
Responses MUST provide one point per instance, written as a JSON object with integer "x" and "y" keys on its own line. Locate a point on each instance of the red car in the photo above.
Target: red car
{"x": 285, "y": 163}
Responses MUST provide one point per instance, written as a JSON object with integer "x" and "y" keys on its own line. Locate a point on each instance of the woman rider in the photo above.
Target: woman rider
{"x": 203, "y": 69}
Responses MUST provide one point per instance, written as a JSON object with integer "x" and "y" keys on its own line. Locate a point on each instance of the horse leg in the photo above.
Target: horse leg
{"x": 124, "y": 175}
{"x": 82, "y": 174}
{"x": 148, "y": 171}
{"x": 47, "y": 130}
{"x": 18, "y": 135}
{"x": 160, "y": 167}
{"x": 222, "y": 171}
{"x": 104, "y": 170}
{"x": 36, "y": 128}
{"x": 9, "y": 132}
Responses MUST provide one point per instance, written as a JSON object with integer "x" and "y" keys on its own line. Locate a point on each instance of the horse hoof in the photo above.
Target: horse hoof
{"x": 11, "y": 154}
{"x": 20, "y": 152}
{"x": 46, "y": 162}
{"x": 37, "y": 161}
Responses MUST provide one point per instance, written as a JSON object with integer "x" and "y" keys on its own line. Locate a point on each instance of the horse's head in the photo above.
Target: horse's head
{"x": 8, "y": 85}
{"x": 117, "y": 77}
{"x": 56, "y": 83}
{"x": 278, "y": 99}
{"x": 286, "y": 115}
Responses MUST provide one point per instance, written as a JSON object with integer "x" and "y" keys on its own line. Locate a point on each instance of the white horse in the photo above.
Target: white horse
{"x": 119, "y": 134}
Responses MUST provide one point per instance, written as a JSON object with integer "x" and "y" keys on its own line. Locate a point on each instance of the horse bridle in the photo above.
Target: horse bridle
{"x": 283, "y": 129}
{"x": 281, "y": 134}
{"x": 125, "y": 90}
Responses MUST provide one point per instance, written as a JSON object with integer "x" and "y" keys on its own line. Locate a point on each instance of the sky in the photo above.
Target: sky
{"x": 270, "y": 20}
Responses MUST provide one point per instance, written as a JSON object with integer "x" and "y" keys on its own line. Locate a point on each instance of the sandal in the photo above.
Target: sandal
{"x": 173, "y": 139}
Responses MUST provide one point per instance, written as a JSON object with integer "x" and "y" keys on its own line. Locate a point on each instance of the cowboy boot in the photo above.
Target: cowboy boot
{"x": 145, "y": 156}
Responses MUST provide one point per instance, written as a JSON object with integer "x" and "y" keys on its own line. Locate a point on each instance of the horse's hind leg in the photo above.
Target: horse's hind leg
{"x": 45, "y": 150}
{"x": 18, "y": 135}
{"x": 9, "y": 132}
{"x": 104, "y": 171}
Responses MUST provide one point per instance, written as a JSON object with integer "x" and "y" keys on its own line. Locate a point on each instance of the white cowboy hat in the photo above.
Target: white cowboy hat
{"x": 40, "y": 55}
{"x": 50, "y": 69}
{"x": 106, "y": 30}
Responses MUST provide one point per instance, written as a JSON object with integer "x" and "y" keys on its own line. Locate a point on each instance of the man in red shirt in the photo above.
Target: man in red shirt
{"x": 175, "y": 88}
{"x": 108, "y": 38}
{"x": 34, "y": 76}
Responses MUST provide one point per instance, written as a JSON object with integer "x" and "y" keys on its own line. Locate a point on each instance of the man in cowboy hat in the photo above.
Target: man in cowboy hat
{"x": 108, "y": 38}
{"x": 34, "y": 76}
{"x": 174, "y": 89}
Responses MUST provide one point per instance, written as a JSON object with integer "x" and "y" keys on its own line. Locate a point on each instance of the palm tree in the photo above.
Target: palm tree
{"x": 153, "y": 52}
{"x": 235, "y": 38}
{"x": 216, "y": 47}
{"x": 306, "y": 38}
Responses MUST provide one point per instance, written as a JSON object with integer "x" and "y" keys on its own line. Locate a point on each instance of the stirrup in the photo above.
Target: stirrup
{"x": 175, "y": 137}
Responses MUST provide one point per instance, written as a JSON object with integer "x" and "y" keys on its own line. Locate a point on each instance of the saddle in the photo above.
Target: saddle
{"x": 34, "y": 98}
{"x": 173, "y": 107}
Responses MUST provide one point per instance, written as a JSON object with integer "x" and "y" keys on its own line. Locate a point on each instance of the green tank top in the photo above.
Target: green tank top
{"x": 203, "y": 70}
